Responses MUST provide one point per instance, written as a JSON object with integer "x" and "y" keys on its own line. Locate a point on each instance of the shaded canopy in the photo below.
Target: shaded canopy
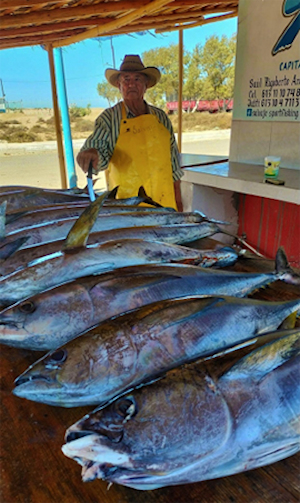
{"x": 63, "y": 22}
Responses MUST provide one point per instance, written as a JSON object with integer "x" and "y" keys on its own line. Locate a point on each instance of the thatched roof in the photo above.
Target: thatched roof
{"x": 62, "y": 22}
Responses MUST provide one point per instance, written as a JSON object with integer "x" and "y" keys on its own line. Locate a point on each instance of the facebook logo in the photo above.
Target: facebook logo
{"x": 249, "y": 112}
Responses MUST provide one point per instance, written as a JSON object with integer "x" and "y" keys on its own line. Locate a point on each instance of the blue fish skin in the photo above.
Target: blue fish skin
{"x": 135, "y": 347}
{"x": 200, "y": 422}
{"x": 49, "y": 319}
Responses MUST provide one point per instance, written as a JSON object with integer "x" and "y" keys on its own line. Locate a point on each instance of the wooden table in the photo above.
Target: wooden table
{"x": 34, "y": 470}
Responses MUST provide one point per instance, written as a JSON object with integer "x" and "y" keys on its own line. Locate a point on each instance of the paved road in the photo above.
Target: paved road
{"x": 37, "y": 164}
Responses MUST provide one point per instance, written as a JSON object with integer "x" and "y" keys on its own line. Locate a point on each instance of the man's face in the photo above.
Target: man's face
{"x": 132, "y": 85}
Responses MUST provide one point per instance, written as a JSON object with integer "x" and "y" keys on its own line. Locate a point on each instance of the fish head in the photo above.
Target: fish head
{"x": 79, "y": 372}
{"x": 145, "y": 438}
{"x": 46, "y": 320}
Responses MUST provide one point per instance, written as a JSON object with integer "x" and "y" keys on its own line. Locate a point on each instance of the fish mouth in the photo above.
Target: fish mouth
{"x": 99, "y": 460}
{"x": 12, "y": 331}
{"x": 74, "y": 435}
{"x": 39, "y": 387}
{"x": 92, "y": 470}
{"x": 27, "y": 379}
{"x": 91, "y": 447}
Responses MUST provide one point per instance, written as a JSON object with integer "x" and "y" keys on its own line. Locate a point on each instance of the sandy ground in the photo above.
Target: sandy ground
{"x": 36, "y": 164}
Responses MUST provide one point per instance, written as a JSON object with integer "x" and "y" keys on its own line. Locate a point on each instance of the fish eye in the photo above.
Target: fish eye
{"x": 126, "y": 407}
{"x": 58, "y": 356}
{"x": 27, "y": 307}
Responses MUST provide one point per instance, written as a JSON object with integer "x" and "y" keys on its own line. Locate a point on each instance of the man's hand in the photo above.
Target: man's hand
{"x": 85, "y": 157}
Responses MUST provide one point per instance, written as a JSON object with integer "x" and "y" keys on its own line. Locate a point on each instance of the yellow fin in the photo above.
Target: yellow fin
{"x": 79, "y": 233}
{"x": 289, "y": 322}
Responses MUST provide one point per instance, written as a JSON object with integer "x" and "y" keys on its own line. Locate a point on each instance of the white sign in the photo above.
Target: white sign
{"x": 267, "y": 85}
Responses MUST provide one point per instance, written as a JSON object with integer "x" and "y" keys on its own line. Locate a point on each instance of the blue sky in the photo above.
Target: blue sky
{"x": 25, "y": 71}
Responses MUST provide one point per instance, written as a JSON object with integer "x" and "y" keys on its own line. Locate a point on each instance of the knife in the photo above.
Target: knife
{"x": 90, "y": 182}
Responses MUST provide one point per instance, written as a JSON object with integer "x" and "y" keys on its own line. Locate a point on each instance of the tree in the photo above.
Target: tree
{"x": 108, "y": 92}
{"x": 166, "y": 60}
{"x": 193, "y": 85}
{"x": 214, "y": 63}
{"x": 208, "y": 72}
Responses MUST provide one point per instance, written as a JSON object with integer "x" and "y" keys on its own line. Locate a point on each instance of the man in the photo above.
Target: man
{"x": 133, "y": 141}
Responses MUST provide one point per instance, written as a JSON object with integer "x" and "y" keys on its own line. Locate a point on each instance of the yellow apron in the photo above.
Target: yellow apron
{"x": 142, "y": 157}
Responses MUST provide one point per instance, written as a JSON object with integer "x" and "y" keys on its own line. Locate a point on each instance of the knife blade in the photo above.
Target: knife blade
{"x": 90, "y": 183}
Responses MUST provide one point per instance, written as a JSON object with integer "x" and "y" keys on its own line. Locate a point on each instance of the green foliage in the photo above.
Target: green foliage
{"x": 108, "y": 92}
{"x": 166, "y": 60}
{"x": 76, "y": 112}
{"x": 214, "y": 64}
{"x": 208, "y": 72}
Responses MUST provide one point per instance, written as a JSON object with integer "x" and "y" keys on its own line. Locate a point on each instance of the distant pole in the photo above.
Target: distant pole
{"x": 60, "y": 148}
{"x": 63, "y": 101}
{"x": 180, "y": 75}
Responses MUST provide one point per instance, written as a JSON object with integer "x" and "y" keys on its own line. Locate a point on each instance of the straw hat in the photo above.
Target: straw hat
{"x": 133, "y": 63}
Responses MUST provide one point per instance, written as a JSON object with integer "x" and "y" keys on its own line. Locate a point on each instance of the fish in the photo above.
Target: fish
{"x": 22, "y": 198}
{"x": 40, "y": 216}
{"x": 75, "y": 259}
{"x": 141, "y": 198}
{"x": 63, "y": 266}
{"x": 2, "y": 219}
{"x": 15, "y": 256}
{"x": 53, "y": 317}
{"x": 17, "y": 188}
{"x": 127, "y": 350}
{"x": 8, "y": 249}
{"x": 53, "y": 231}
{"x": 196, "y": 424}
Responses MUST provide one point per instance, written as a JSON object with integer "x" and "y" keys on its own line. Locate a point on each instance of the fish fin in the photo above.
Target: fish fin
{"x": 31, "y": 192}
{"x": 289, "y": 322}
{"x": 212, "y": 220}
{"x": 142, "y": 192}
{"x": 9, "y": 249}
{"x": 79, "y": 233}
{"x": 284, "y": 270}
{"x": 112, "y": 194}
{"x": 266, "y": 358}
{"x": 12, "y": 217}
{"x": 2, "y": 218}
{"x": 147, "y": 199}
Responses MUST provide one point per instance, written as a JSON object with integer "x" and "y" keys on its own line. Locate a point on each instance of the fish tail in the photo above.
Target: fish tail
{"x": 284, "y": 270}
{"x": 147, "y": 199}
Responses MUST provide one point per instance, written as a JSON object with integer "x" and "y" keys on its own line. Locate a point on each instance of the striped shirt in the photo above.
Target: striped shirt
{"x": 107, "y": 129}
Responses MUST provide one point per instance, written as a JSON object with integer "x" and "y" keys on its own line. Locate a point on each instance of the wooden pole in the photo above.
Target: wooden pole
{"x": 118, "y": 22}
{"x": 180, "y": 75}
{"x": 214, "y": 19}
{"x": 60, "y": 149}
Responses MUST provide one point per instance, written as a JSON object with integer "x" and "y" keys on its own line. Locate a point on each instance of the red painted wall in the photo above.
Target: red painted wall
{"x": 269, "y": 224}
